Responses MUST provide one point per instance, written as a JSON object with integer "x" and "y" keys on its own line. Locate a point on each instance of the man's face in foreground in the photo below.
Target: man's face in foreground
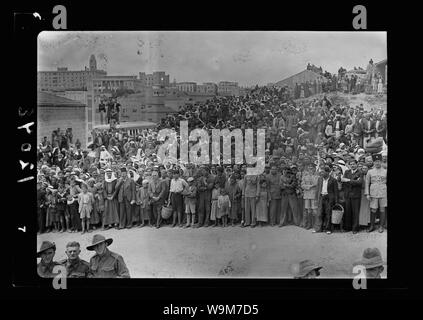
{"x": 47, "y": 256}
{"x": 100, "y": 248}
{"x": 73, "y": 252}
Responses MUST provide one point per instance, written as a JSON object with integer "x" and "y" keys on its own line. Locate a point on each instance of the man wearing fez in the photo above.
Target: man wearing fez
{"x": 75, "y": 267}
{"x": 273, "y": 182}
{"x": 126, "y": 198}
{"x": 46, "y": 265}
{"x": 105, "y": 263}
{"x": 376, "y": 192}
{"x": 110, "y": 215}
{"x": 352, "y": 181}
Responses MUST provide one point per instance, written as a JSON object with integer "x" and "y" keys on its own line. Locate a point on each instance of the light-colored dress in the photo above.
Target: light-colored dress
{"x": 261, "y": 206}
{"x": 224, "y": 206}
{"x": 214, "y": 209}
{"x": 364, "y": 216}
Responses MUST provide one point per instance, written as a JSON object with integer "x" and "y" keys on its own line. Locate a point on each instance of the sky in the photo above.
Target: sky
{"x": 247, "y": 57}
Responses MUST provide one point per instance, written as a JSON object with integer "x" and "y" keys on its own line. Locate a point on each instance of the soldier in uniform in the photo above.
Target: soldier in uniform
{"x": 105, "y": 263}
{"x": 46, "y": 265}
{"x": 75, "y": 267}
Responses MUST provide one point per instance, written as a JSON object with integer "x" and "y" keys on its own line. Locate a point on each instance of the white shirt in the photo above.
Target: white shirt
{"x": 177, "y": 186}
{"x": 325, "y": 186}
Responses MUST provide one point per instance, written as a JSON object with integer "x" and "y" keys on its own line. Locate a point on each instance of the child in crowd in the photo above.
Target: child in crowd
{"x": 224, "y": 206}
{"x": 190, "y": 201}
{"x": 214, "y": 208}
{"x": 61, "y": 206}
{"x": 143, "y": 199}
{"x": 99, "y": 202}
{"x": 51, "y": 197}
{"x": 86, "y": 201}
{"x": 263, "y": 203}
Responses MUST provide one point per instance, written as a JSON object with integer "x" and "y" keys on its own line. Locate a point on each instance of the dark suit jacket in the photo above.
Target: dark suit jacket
{"x": 353, "y": 187}
{"x": 159, "y": 191}
{"x": 382, "y": 128}
{"x": 332, "y": 190}
{"x": 358, "y": 129}
{"x": 126, "y": 190}
{"x": 365, "y": 126}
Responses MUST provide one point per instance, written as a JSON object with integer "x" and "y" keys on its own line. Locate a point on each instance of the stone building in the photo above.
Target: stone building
{"x": 55, "y": 112}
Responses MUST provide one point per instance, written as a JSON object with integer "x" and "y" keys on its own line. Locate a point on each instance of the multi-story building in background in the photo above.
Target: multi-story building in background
{"x": 228, "y": 88}
{"x": 157, "y": 78}
{"x": 187, "y": 86}
{"x": 208, "y": 88}
{"x": 111, "y": 84}
{"x": 63, "y": 79}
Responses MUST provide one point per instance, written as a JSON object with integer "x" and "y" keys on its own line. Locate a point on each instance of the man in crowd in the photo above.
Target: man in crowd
{"x": 376, "y": 192}
{"x": 289, "y": 199}
{"x": 177, "y": 186}
{"x": 327, "y": 196}
{"x": 157, "y": 192}
{"x": 353, "y": 182}
{"x": 204, "y": 187}
{"x": 126, "y": 198}
{"x": 273, "y": 183}
{"x": 251, "y": 192}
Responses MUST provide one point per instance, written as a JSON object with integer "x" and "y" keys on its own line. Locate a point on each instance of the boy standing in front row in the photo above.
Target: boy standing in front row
{"x": 190, "y": 200}
{"x": 376, "y": 192}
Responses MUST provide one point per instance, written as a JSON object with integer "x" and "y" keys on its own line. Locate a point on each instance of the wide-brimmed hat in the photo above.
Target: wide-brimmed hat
{"x": 97, "y": 239}
{"x": 372, "y": 258}
{"x": 45, "y": 246}
{"x": 306, "y": 266}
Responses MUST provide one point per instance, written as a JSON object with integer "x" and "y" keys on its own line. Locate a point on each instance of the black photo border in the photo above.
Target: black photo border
{"x": 98, "y": 16}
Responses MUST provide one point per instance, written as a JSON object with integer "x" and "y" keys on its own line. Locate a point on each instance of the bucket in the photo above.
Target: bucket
{"x": 337, "y": 213}
{"x": 166, "y": 212}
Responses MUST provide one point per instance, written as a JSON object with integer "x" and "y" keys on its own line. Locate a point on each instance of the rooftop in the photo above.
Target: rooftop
{"x": 129, "y": 125}
{"x": 45, "y": 99}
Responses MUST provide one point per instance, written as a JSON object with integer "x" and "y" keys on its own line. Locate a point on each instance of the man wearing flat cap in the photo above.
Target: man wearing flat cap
{"x": 372, "y": 262}
{"x": 105, "y": 263}
{"x": 376, "y": 192}
{"x": 46, "y": 265}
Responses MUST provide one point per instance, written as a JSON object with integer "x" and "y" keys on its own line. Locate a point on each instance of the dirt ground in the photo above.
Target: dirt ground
{"x": 227, "y": 252}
